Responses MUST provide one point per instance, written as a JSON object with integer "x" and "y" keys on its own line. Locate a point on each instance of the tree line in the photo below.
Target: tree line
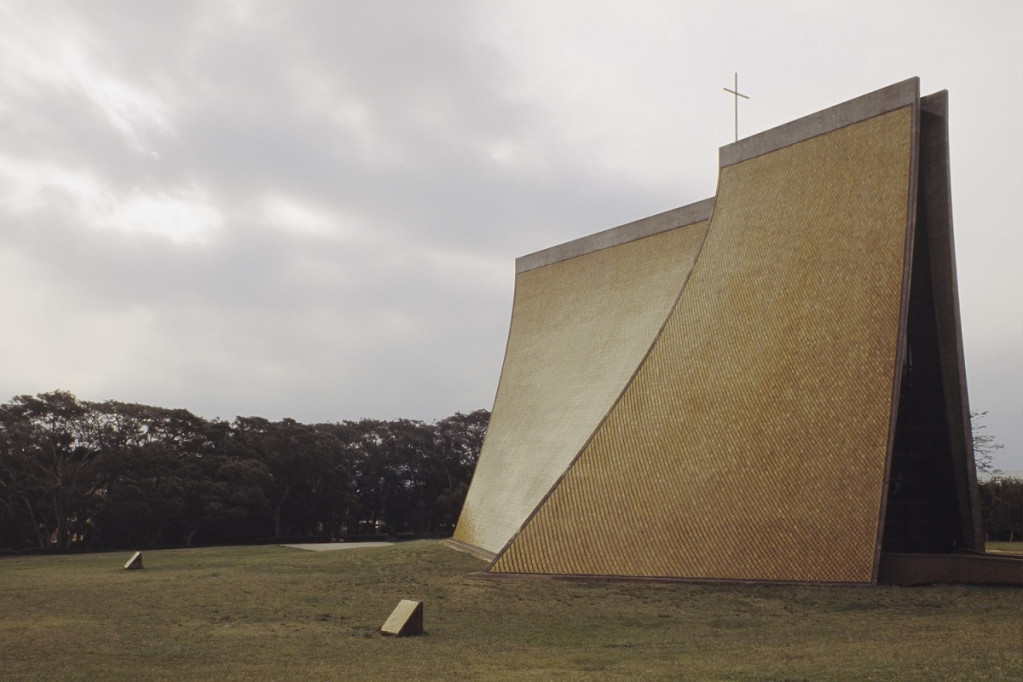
{"x": 89, "y": 475}
{"x": 86, "y": 475}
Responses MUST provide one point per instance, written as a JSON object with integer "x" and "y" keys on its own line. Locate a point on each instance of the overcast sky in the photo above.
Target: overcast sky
{"x": 312, "y": 209}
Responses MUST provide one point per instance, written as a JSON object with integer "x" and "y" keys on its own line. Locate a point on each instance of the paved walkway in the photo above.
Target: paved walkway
{"x": 329, "y": 546}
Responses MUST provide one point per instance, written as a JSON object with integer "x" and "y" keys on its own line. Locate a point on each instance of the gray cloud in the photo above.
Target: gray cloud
{"x": 312, "y": 209}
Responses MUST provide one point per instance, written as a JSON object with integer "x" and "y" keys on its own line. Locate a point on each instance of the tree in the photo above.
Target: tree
{"x": 157, "y": 470}
{"x": 49, "y": 446}
{"x": 459, "y": 441}
{"x": 984, "y": 444}
{"x": 308, "y": 474}
{"x": 389, "y": 471}
{"x": 1002, "y": 508}
{"x": 1001, "y": 499}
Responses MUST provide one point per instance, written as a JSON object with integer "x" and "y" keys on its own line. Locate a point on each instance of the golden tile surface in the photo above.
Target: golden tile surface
{"x": 751, "y": 443}
{"x": 579, "y": 329}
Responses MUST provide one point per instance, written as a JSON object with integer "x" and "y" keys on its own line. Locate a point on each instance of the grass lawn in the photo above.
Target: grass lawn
{"x": 1005, "y": 547}
{"x": 273, "y": 613}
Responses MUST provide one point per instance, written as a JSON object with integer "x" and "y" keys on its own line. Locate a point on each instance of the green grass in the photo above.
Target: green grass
{"x": 1005, "y": 547}
{"x": 272, "y": 613}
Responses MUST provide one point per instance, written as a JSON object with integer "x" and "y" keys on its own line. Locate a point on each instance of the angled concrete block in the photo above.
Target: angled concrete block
{"x": 134, "y": 563}
{"x": 405, "y": 620}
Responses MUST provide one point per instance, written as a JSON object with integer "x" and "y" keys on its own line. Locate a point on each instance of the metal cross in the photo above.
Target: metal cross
{"x": 737, "y": 96}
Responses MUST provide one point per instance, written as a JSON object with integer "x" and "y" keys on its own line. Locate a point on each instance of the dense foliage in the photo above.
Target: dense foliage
{"x": 1001, "y": 505}
{"x": 77, "y": 474}
{"x": 83, "y": 475}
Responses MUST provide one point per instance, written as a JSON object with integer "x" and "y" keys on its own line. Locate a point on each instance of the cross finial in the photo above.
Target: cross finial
{"x": 737, "y": 95}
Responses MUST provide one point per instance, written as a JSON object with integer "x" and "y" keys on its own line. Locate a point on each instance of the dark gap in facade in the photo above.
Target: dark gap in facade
{"x": 921, "y": 515}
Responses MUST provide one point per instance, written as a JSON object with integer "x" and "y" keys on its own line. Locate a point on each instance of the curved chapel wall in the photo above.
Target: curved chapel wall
{"x": 582, "y": 320}
{"x": 752, "y": 442}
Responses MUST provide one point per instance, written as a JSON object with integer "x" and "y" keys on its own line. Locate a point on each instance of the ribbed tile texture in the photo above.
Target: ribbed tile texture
{"x": 751, "y": 444}
{"x": 579, "y": 330}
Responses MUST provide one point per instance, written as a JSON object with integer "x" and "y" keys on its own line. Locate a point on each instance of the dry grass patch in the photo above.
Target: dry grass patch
{"x": 277, "y": 613}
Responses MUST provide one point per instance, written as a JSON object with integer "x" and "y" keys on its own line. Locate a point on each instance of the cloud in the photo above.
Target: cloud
{"x": 312, "y": 209}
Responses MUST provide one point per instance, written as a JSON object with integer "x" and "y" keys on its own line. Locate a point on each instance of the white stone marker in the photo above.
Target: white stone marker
{"x": 134, "y": 563}
{"x": 405, "y": 620}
